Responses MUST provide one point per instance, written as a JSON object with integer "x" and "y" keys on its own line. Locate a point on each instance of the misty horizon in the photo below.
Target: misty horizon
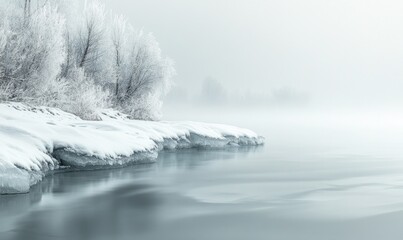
{"x": 334, "y": 52}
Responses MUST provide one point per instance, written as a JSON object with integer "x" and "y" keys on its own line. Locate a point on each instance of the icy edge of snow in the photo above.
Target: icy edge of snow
{"x": 37, "y": 140}
{"x": 16, "y": 180}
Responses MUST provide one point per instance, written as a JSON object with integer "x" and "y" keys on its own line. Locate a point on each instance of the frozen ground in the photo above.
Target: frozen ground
{"x": 37, "y": 140}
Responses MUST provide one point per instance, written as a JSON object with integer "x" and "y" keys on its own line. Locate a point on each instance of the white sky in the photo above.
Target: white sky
{"x": 337, "y": 51}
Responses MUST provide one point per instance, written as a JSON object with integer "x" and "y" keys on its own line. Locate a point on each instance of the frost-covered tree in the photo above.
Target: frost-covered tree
{"x": 52, "y": 54}
{"x": 119, "y": 47}
{"x": 91, "y": 43}
{"x": 147, "y": 78}
{"x": 142, "y": 76}
{"x": 33, "y": 52}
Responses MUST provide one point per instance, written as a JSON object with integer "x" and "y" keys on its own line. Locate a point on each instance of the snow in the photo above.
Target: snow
{"x": 37, "y": 140}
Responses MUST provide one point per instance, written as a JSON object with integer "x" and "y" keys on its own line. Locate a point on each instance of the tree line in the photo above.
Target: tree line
{"x": 78, "y": 57}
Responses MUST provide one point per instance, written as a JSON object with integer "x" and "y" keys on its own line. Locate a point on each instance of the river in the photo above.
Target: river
{"x": 306, "y": 182}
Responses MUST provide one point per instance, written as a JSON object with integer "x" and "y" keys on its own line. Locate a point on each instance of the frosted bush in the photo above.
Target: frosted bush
{"x": 83, "y": 97}
{"x": 81, "y": 62}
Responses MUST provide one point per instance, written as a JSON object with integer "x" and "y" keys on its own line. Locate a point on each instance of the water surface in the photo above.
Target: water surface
{"x": 305, "y": 183}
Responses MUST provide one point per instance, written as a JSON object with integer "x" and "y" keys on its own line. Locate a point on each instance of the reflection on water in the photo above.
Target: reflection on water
{"x": 245, "y": 193}
{"x": 104, "y": 203}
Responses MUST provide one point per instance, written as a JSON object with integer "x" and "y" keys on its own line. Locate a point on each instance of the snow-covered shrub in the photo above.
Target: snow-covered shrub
{"x": 5, "y": 92}
{"x": 3, "y": 33}
{"x": 83, "y": 96}
{"x": 146, "y": 107}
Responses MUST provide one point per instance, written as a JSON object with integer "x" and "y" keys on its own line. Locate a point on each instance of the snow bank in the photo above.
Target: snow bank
{"x": 36, "y": 140}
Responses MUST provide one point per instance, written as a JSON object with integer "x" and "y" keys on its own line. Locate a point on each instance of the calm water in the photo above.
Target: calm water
{"x": 303, "y": 184}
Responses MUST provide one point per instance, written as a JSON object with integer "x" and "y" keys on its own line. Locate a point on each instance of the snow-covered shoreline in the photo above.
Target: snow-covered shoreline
{"x": 37, "y": 140}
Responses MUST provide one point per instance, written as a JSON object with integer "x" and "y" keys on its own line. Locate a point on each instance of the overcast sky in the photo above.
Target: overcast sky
{"x": 337, "y": 51}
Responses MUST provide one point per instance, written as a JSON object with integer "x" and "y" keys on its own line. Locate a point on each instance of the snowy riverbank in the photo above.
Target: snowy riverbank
{"x": 36, "y": 140}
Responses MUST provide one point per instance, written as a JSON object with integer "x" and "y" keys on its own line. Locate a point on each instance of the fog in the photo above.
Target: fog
{"x": 306, "y": 74}
{"x": 319, "y": 80}
{"x": 334, "y": 53}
